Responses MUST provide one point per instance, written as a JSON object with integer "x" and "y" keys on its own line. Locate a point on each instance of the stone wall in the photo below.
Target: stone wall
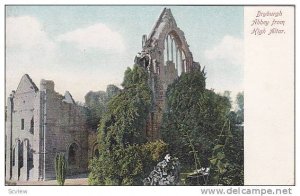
{"x": 93, "y": 144}
{"x": 168, "y": 54}
{"x": 20, "y": 129}
{"x": 65, "y": 126}
{"x": 39, "y": 124}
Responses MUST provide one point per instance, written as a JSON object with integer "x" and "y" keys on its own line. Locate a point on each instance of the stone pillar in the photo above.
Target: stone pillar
{"x": 8, "y": 146}
{"x": 167, "y": 48}
{"x": 144, "y": 40}
{"x": 181, "y": 62}
{"x": 25, "y": 171}
{"x": 172, "y": 55}
{"x": 15, "y": 172}
{"x": 189, "y": 65}
{"x": 38, "y": 137}
{"x": 176, "y": 62}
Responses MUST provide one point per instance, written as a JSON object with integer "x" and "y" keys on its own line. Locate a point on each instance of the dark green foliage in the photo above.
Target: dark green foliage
{"x": 227, "y": 161}
{"x": 60, "y": 168}
{"x": 195, "y": 116}
{"x": 112, "y": 90}
{"x": 96, "y": 103}
{"x": 192, "y": 128}
{"x": 125, "y": 166}
{"x": 125, "y": 158}
{"x": 125, "y": 119}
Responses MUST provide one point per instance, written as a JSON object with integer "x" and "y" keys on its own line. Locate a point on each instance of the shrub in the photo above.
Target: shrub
{"x": 60, "y": 168}
{"x": 126, "y": 166}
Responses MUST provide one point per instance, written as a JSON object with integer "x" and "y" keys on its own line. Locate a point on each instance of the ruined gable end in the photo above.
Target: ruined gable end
{"x": 26, "y": 85}
{"x": 165, "y": 55}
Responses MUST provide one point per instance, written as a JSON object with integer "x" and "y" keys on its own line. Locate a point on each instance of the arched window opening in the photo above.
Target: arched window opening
{"x": 173, "y": 54}
{"x": 73, "y": 155}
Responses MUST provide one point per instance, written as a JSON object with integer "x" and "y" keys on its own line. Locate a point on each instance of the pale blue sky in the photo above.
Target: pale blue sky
{"x": 62, "y": 43}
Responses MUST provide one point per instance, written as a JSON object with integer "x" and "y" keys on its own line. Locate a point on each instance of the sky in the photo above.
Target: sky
{"x": 84, "y": 48}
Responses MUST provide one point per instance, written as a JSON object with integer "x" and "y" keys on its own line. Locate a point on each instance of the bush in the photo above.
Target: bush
{"x": 60, "y": 168}
{"x": 193, "y": 119}
{"x": 126, "y": 166}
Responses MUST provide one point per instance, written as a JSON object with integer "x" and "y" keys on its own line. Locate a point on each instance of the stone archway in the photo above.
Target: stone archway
{"x": 73, "y": 156}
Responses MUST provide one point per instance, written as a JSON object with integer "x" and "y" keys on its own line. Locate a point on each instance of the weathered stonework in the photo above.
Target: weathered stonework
{"x": 165, "y": 55}
{"x": 39, "y": 124}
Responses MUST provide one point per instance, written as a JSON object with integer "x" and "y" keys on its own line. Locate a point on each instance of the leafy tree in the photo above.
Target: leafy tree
{"x": 125, "y": 157}
{"x": 227, "y": 161}
{"x": 193, "y": 120}
{"x": 125, "y": 120}
{"x": 126, "y": 166}
{"x": 201, "y": 130}
{"x": 240, "y": 110}
{"x": 96, "y": 103}
{"x": 112, "y": 90}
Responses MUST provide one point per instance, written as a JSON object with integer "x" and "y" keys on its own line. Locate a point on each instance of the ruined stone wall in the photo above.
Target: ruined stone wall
{"x": 163, "y": 66}
{"x": 39, "y": 124}
{"x": 65, "y": 126}
{"x": 92, "y": 144}
{"x": 21, "y": 125}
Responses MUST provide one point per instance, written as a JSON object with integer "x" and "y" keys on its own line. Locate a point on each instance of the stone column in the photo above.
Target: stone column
{"x": 172, "y": 43}
{"x": 188, "y": 64}
{"x": 8, "y": 146}
{"x": 181, "y": 62}
{"x": 25, "y": 160}
{"x": 167, "y": 48}
{"x": 185, "y": 64}
{"x": 37, "y": 173}
{"x": 176, "y": 62}
{"x": 16, "y": 166}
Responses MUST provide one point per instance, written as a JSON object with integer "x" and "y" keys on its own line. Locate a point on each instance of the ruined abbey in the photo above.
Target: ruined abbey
{"x": 41, "y": 122}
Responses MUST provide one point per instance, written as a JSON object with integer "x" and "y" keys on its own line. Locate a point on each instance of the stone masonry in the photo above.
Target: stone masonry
{"x": 39, "y": 124}
{"x": 165, "y": 55}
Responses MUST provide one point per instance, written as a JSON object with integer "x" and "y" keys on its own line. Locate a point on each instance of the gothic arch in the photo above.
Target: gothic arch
{"x": 73, "y": 155}
{"x": 162, "y": 69}
{"x": 166, "y": 26}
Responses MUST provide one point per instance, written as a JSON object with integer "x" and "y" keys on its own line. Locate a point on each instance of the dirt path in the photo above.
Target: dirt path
{"x": 72, "y": 180}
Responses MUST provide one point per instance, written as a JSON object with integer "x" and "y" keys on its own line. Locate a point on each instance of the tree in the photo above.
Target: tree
{"x": 125, "y": 120}
{"x": 125, "y": 157}
{"x": 96, "y": 103}
{"x": 193, "y": 119}
{"x": 227, "y": 161}
{"x": 240, "y": 109}
{"x": 60, "y": 168}
{"x": 112, "y": 90}
{"x": 126, "y": 166}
